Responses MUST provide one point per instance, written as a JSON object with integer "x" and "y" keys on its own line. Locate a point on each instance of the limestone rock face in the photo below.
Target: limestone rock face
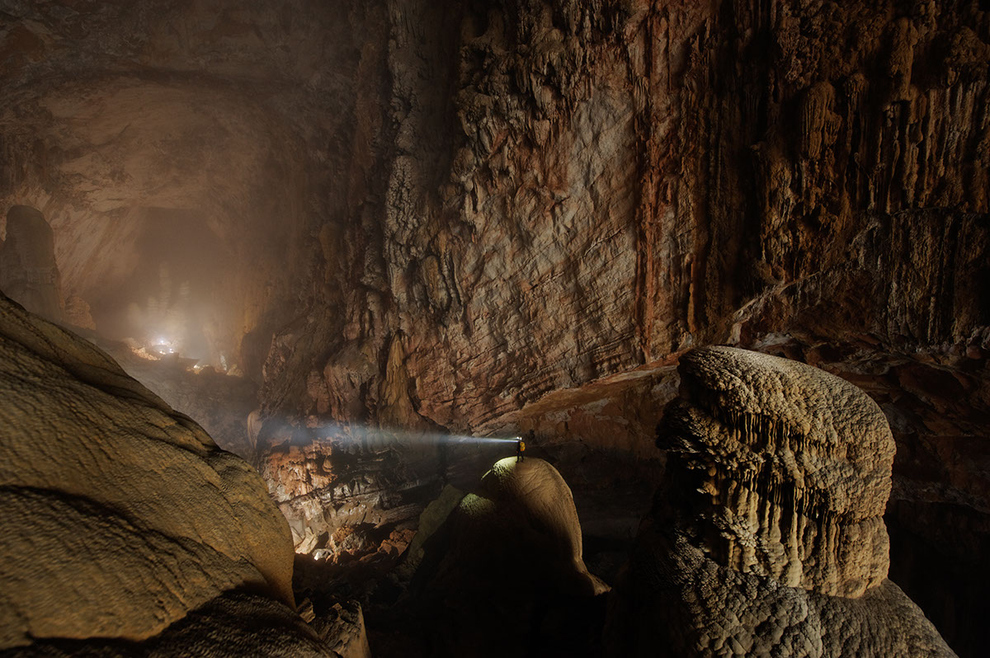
{"x": 28, "y": 271}
{"x": 582, "y": 188}
{"x": 232, "y": 625}
{"x": 490, "y": 162}
{"x": 121, "y": 517}
{"x": 768, "y": 533}
{"x": 797, "y": 464}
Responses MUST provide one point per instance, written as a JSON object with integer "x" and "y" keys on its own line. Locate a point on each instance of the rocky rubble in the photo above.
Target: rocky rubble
{"x": 344, "y": 489}
{"x": 767, "y": 535}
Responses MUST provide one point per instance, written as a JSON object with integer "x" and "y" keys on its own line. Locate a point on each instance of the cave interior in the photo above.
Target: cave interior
{"x": 369, "y": 246}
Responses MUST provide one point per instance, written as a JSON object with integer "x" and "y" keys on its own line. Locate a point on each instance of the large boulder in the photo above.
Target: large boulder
{"x": 505, "y": 576}
{"x": 121, "y": 517}
{"x": 767, "y": 537}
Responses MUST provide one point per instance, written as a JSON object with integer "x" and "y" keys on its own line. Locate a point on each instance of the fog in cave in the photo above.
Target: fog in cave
{"x": 169, "y": 299}
{"x": 419, "y": 328}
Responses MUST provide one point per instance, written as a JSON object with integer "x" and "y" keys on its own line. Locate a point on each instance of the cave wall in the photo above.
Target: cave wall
{"x": 125, "y": 122}
{"x": 577, "y": 189}
{"x": 437, "y": 213}
{"x": 434, "y": 213}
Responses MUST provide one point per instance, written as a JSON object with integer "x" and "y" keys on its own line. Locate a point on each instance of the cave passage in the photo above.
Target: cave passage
{"x": 170, "y": 300}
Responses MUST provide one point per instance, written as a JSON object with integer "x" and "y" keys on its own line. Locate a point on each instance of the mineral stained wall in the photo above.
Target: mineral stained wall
{"x": 579, "y": 188}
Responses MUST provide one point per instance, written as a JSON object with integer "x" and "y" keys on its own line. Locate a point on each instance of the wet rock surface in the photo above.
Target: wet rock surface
{"x": 767, "y": 534}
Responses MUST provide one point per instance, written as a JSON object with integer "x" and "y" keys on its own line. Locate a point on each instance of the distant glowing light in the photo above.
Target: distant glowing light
{"x": 161, "y": 346}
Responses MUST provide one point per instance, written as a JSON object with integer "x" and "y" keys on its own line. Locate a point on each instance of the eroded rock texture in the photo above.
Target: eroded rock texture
{"x": 606, "y": 183}
{"x": 645, "y": 170}
{"x": 583, "y": 188}
{"x": 938, "y": 407}
{"x": 122, "y": 521}
{"x": 767, "y": 537}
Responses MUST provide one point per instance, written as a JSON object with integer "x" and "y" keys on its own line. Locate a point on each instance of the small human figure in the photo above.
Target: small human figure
{"x": 520, "y": 449}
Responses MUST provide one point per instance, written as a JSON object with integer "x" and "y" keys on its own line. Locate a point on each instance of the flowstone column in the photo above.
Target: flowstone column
{"x": 767, "y": 537}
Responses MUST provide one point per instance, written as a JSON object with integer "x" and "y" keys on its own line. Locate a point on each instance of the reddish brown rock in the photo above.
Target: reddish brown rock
{"x": 436, "y": 213}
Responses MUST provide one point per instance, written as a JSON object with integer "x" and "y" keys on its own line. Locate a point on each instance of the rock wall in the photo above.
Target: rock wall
{"x": 509, "y": 199}
{"x": 200, "y": 141}
{"x": 436, "y": 213}
{"x": 28, "y": 272}
{"x": 579, "y": 189}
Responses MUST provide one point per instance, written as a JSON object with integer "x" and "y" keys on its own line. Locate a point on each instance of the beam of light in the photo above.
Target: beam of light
{"x": 349, "y": 435}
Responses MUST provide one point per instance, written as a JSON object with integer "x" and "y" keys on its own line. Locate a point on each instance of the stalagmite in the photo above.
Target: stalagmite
{"x": 782, "y": 550}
